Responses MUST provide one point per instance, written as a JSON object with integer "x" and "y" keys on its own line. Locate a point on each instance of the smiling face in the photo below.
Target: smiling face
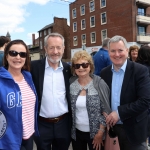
{"x": 54, "y": 50}
{"x": 134, "y": 53}
{"x": 118, "y": 54}
{"x": 82, "y": 72}
{"x": 15, "y": 63}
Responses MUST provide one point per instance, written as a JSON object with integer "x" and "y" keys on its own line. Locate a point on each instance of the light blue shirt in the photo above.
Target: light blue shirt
{"x": 117, "y": 80}
{"x": 54, "y": 102}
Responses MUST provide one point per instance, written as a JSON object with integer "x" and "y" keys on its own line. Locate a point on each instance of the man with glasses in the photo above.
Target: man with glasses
{"x": 51, "y": 79}
{"x": 129, "y": 84}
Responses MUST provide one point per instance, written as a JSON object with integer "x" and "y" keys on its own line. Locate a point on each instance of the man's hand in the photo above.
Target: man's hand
{"x": 112, "y": 118}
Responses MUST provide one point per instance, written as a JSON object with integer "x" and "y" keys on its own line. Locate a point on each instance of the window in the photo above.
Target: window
{"x": 92, "y": 21}
{"x": 93, "y": 37}
{"x": 75, "y": 41}
{"x": 74, "y": 27}
{"x": 83, "y": 38}
{"x": 142, "y": 30}
{"x": 44, "y": 32}
{"x": 40, "y": 34}
{"x": 83, "y": 26}
{"x": 92, "y": 6}
{"x": 103, "y": 3}
{"x": 41, "y": 47}
{"x": 74, "y": 14}
{"x": 103, "y": 18}
{"x": 49, "y": 31}
{"x": 103, "y": 34}
{"x": 141, "y": 11}
{"x": 82, "y": 10}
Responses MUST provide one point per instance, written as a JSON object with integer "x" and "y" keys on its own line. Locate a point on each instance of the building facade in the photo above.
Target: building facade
{"x": 93, "y": 20}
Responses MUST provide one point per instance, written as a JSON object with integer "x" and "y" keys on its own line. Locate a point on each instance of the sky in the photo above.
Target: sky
{"x": 22, "y": 18}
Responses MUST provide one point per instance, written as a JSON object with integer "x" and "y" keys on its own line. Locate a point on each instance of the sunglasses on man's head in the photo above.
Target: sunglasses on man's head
{"x": 84, "y": 65}
{"x": 14, "y": 54}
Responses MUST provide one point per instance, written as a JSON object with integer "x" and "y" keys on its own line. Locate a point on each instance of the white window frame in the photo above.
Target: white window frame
{"x": 92, "y": 38}
{"x": 91, "y": 22}
{"x": 44, "y": 32}
{"x": 102, "y": 18}
{"x": 101, "y": 4}
{"x": 75, "y": 44}
{"x": 82, "y": 28}
{"x": 73, "y": 13}
{"x": 102, "y": 37}
{"x": 41, "y": 46}
{"x": 92, "y": 9}
{"x": 81, "y": 10}
{"x": 83, "y": 41}
{"x": 40, "y": 33}
{"x": 49, "y": 30}
{"x": 74, "y": 28}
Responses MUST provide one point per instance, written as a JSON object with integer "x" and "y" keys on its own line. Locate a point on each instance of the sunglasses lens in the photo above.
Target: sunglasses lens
{"x": 76, "y": 66}
{"x": 84, "y": 65}
{"x": 23, "y": 54}
{"x": 14, "y": 54}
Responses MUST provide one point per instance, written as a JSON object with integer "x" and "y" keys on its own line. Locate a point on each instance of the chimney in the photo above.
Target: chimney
{"x": 33, "y": 39}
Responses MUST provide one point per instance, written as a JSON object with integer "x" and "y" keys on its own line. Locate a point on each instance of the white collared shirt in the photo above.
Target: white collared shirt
{"x": 54, "y": 101}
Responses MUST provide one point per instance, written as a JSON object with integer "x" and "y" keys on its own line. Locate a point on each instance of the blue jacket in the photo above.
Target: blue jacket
{"x": 101, "y": 60}
{"x": 11, "y": 130}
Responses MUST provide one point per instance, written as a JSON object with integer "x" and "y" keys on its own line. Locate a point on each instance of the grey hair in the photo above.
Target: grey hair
{"x": 105, "y": 42}
{"x": 118, "y": 38}
{"x": 54, "y": 34}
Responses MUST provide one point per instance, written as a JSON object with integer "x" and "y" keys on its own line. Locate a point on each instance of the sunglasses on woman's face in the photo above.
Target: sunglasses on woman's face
{"x": 84, "y": 65}
{"x": 14, "y": 54}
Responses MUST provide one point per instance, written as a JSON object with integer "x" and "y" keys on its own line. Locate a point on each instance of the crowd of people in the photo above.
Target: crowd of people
{"x": 100, "y": 102}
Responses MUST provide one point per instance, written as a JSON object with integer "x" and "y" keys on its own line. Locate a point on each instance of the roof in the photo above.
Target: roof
{"x": 47, "y": 26}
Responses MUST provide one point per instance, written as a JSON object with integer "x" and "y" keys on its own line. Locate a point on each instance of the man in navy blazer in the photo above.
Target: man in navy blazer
{"x": 51, "y": 79}
{"x": 129, "y": 83}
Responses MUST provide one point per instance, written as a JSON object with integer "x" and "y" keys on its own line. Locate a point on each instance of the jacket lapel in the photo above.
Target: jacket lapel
{"x": 127, "y": 76}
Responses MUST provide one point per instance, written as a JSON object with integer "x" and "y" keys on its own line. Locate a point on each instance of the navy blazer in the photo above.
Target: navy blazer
{"x": 37, "y": 72}
{"x": 134, "y": 100}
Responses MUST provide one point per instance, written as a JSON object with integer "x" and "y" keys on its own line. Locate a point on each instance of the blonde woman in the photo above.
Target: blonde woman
{"x": 89, "y": 98}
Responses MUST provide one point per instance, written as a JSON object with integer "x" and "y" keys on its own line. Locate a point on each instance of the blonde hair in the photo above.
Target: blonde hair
{"x": 82, "y": 55}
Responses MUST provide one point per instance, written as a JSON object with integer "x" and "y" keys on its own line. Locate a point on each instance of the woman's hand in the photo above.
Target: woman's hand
{"x": 97, "y": 141}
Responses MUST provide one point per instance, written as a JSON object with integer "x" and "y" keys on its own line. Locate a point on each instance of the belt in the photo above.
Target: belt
{"x": 52, "y": 120}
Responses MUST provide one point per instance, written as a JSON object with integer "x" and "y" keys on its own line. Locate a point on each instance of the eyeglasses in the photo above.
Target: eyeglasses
{"x": 14, "y": 54}
{"x": 84, "y": 65}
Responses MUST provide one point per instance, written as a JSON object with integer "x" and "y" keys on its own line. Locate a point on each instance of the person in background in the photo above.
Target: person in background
{"x": 89, "y": 96}
{"x": 51, "y": 79}
{"x": 129, "y": 83}
{"x": 144, "y": 59}
{"x": 3, "y": 42}
{"x": 18, "y": 99}
{"x": 133, "y": 52}
{"x": 101, "y": 58}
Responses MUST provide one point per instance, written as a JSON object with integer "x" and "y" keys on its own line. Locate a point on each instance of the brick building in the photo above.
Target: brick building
{"x": 60, "y": 26}
{"x": 93, "y": 20}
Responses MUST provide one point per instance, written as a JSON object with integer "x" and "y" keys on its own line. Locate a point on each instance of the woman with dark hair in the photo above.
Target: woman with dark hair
{"x": 144, "y": 59}
{"x": 133, "y": 52}
{"x": 18, "y": 99}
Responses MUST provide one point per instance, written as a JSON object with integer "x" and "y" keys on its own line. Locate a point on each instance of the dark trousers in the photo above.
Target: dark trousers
{"x": 27, "y": 144}
{"x": 124, "y": 143}
{"x": 54, "y": 136}
{"x": 82, "y": 140}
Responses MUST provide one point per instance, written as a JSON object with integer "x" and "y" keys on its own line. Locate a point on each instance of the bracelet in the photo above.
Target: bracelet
{"x": 102, "y": 130}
